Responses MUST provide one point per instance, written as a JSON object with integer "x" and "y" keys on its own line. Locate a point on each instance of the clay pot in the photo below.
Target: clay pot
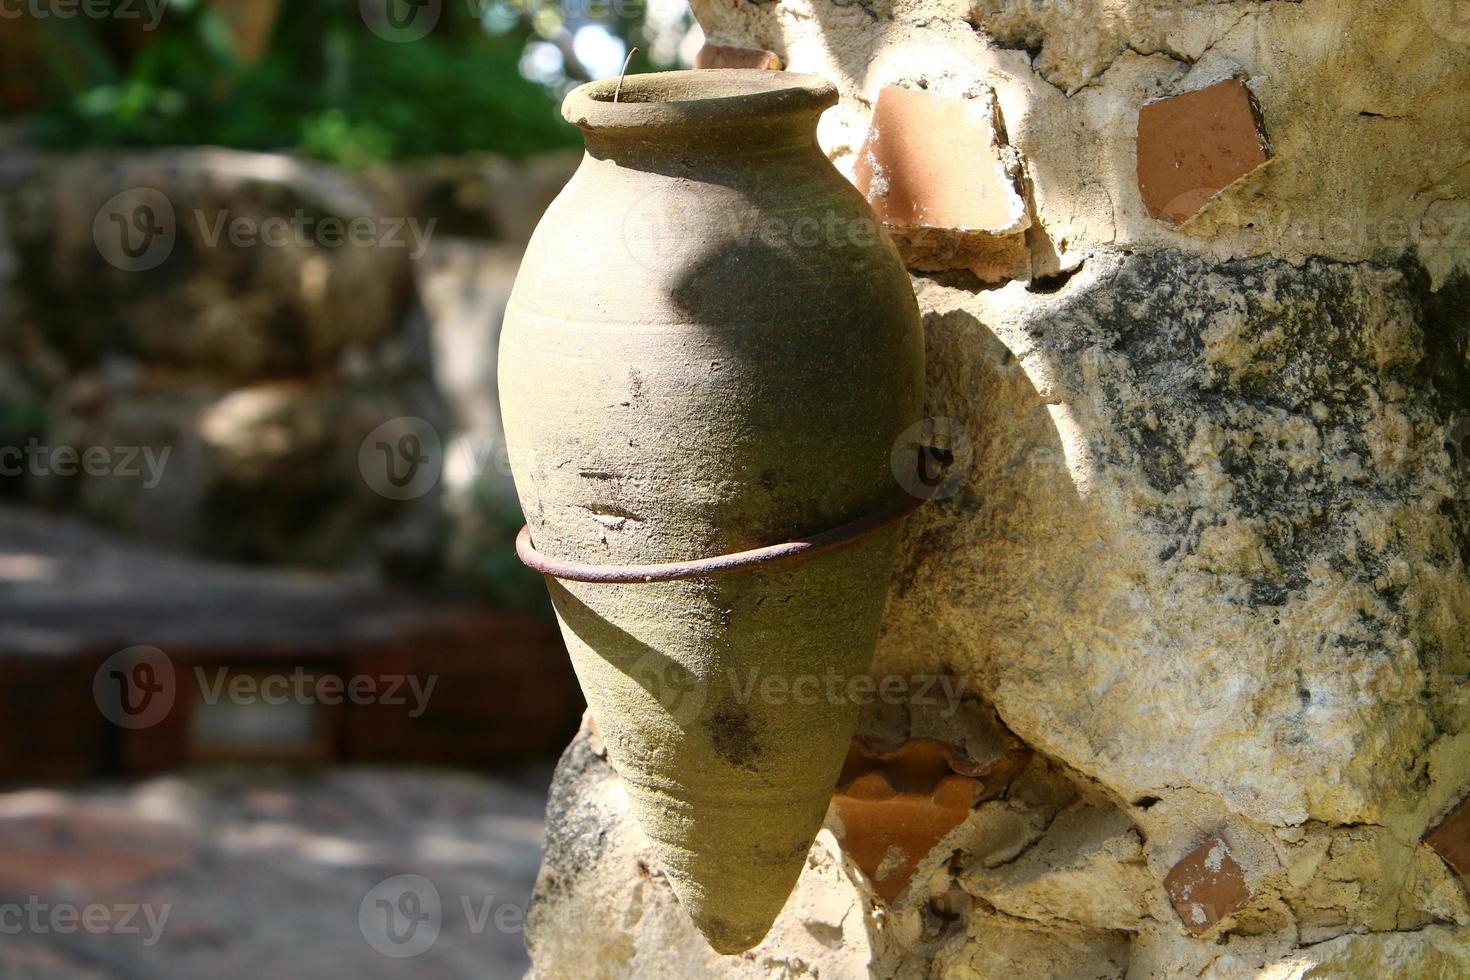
{"x": 712, "y": 347}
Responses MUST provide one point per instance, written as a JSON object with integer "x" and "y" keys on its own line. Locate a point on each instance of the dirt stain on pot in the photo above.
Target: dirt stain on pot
{"x": 733, "y": 735}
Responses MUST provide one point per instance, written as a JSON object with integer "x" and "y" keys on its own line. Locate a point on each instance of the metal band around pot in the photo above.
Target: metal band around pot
{"x": 675, "y": 571}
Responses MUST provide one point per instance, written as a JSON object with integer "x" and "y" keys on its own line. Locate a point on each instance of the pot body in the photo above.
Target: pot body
{"x": 710, "y": 347}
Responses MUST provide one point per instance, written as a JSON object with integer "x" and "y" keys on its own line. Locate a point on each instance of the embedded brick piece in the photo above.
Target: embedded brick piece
{"x": 894, "y": 806}
{"x": 1206, "y": 886}
{"x": 1451, "y": 840}
{"x": 721, "y": 56}
{"x": 939, "y": 176}
{"x": 1193, "y": 146}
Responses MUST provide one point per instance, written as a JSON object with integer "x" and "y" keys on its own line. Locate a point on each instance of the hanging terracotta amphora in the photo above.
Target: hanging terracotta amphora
{"x": 709, "y": 354}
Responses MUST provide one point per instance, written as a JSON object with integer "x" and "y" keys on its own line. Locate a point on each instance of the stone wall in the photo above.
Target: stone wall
{"x": 246, "y": 323}
{"x": 1194, "y": 285}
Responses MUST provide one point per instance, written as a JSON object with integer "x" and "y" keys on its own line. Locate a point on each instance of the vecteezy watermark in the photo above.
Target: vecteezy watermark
{"x": 303, "y": 230}
{"x": 402, "y": 459}
{"x": 675, "y": 687}
{"x": 137, "y": 687}
{"x": 36, "y": 916}
{"x": 400, "y": 20}
{"x": 405, "y": 457}
{"x": 403, "y": 916}
{"x": 1435, "y": 229}
{"x": 300, "y": 686}
{"x": 914, "y": 690}
{"x": 659, "y": 221}
{"x": 39, "y": 459}
{"x": 137, "y": 230}
{"x": 150, "y": 12}
{"x": 932, "y": 458}
{"x": 683, "y": 694}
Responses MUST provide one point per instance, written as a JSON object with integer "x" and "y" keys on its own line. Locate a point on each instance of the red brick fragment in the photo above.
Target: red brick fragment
{"x": 937, "y": 173}
{"x": 894, "y": 806}
{"x": 1206, "y": 886}
{"x": 723, "y": 56}
{"x": 1451, "y": 840}
{"x": 1193, "y": 146}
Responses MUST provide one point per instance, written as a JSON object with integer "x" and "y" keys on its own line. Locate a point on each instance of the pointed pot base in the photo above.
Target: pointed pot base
{"x": 726, "y": 706}
{"x": 729, "y": 876}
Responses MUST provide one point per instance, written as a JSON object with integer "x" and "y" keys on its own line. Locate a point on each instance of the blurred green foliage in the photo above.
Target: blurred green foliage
{"x": 327, "y": 88}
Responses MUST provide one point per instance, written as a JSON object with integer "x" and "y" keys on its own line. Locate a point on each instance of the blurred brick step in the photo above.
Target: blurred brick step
{"x": 251, "y": 665}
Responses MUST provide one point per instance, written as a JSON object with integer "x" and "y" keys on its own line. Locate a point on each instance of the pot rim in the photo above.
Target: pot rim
{"x": 694, "y": 98}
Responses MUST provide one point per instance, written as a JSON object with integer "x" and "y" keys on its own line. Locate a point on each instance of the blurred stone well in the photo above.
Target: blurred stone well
{"x": 251, "y": 334}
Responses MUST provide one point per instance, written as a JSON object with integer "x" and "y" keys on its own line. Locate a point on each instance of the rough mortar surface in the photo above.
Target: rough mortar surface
{"x": 1209, "y": 558}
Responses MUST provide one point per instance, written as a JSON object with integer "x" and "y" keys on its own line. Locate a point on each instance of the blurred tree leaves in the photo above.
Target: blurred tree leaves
{"x": 328, "y": 87}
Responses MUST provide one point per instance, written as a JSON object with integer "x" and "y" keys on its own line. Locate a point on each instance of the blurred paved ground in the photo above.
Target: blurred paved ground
{"x": 250, "y": 875}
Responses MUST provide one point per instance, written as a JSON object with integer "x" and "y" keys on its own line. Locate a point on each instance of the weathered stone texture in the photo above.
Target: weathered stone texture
{"x": 267, "y": 472}
{"x": 1211, "y": 553}
{"x": 1362, "y": 100}
{"x": 1211, "y": 557}
{"x": 1211, "y": 504}
{"x": 261, "y": 279}
{"x": 292, "y": 309}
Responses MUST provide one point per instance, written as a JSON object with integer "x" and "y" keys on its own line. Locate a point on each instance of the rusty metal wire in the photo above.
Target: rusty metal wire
{"x": 675, "y": 571}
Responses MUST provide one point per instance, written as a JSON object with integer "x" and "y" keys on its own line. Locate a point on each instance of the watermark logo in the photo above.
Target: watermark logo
{"x": 943, "y": 691}
{"x": 1184, "y": 206}
{"x": 683, "y": 694}
{"x": 302, "y": 230}
{"x": 400, "y": 21}
{"x": 402, "y": 459}
{"x": 402, "y": 916}
{"x": 1436, "y": 230}
{"x": 301, "y": 686}
{"x": 148, "y": 11}
{"x": 38, "y": 917}
{"x": 406, "y": 457}
{"x": 135, "y": 230}
{"x": 932, "y": 458}
{"x": 39, "y": 459}
{"x": 135, "y": 687}
{"x": 660, "y": 221}
{"x": 675, "y": 687}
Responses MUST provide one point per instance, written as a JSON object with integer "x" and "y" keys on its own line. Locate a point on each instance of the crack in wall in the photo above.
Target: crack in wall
{"x": 1032, "y": 36}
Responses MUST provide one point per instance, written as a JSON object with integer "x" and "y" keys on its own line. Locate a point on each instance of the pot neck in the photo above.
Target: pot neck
{"x": 720, "y": 112}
